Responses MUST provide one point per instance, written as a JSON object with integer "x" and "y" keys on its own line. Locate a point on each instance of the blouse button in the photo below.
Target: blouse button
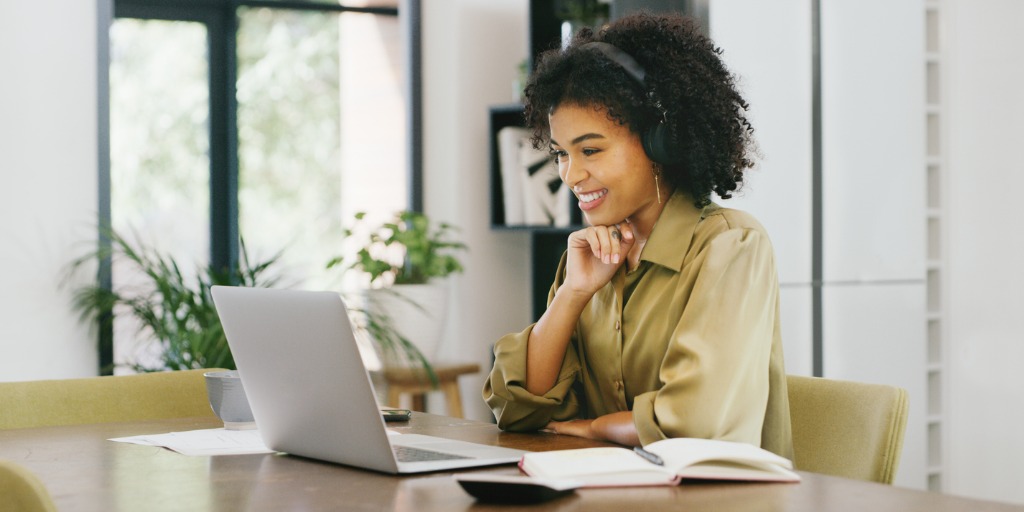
{"x": 618, "y": 326}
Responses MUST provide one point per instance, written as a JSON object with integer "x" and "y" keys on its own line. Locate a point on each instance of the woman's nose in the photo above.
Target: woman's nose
{"x": 572, "y": 173}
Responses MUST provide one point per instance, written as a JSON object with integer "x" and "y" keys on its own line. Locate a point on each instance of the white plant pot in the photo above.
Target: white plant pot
{"x": 417, "y": 312}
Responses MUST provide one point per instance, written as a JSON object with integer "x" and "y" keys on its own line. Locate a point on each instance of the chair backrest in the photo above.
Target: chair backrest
{"x": 22, "y": 491}
{"x": 848, "y": 429}
{"x": 143, "y": 396}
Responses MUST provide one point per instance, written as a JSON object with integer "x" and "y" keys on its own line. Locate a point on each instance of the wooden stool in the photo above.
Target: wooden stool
{"x": 416, "y": 382}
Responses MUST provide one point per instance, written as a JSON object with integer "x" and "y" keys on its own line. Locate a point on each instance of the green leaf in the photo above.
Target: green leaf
{"x": 175, "y": 312}
{"x": 423, "y": 251}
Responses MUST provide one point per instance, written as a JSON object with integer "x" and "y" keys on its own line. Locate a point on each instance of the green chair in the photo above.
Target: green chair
{"x": 143, "y": 396}
{"x": 21, "y": 491}
{"x": 848, "y": 429}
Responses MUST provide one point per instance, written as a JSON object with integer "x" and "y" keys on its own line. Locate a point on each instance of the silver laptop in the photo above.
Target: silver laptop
{"x": 310, "y": 393}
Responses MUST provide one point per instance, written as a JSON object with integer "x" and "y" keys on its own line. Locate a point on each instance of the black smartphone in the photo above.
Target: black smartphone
{"x": 396, "y": 414}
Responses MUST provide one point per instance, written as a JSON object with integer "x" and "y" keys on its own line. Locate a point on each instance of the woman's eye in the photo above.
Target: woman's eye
{"x": 558, "y": 154}
{"x": 590, "y": 151}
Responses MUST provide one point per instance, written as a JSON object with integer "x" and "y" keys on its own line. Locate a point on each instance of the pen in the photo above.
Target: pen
{"x": 650, "y": 457}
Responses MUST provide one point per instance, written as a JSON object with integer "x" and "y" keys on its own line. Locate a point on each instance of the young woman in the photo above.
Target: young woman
{"x": 663, "y": 320}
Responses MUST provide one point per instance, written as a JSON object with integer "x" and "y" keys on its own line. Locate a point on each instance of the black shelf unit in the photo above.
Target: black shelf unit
{"x": 502, "y": 116}
{"x": 545, "y": 29}
{"x": 546, "y": 249}
{"x": 547, "y": 243}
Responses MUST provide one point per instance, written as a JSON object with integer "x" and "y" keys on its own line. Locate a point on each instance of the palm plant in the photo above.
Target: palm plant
{"x": 175, "y": 311}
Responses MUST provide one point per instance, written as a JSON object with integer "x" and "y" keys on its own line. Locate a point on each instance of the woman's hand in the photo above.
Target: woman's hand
{"x": 595, "y": 254}
{"x": 617, "y": 427}
{"x": 577, "y": 428}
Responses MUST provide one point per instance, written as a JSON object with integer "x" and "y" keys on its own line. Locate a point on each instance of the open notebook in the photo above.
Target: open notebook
{"x": 310, "y": 393}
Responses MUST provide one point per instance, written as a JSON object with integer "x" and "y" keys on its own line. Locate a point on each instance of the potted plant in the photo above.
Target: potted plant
{"x": 173, "y": 310}
{"x": 406, "y": 259}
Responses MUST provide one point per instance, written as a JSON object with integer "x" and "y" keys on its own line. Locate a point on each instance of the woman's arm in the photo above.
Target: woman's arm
{"x": 548, "y": 340}
{"x": 594, "y": 255}
{"x": 616, "y": 427}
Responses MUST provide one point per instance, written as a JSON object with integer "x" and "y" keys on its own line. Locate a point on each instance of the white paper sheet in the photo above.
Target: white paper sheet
{"x": 216, "y": 441}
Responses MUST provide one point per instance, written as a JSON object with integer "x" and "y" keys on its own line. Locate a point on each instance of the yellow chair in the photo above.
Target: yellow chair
{"x": 21, "y": 491}
{"x": 143, "y": 396}
{"x": 848, "y": 429}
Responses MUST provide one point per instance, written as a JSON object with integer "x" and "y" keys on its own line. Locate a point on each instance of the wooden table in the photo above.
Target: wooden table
{"x": 85, "y": 472}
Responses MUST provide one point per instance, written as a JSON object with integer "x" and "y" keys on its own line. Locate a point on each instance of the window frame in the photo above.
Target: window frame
{"x": 221, "y": 21}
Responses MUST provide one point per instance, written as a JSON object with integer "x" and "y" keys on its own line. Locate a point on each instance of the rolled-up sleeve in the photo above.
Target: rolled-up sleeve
{"x": 505, "y": 393}
{"x": 716, "y": 368}
{"x": 514, "y": 407}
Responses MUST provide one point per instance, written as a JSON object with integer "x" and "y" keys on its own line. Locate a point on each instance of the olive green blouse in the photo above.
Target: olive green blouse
{"x": 689, "y": 340}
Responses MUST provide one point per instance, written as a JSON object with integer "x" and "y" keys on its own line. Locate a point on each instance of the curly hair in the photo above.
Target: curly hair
{"x": 703, "y": 110}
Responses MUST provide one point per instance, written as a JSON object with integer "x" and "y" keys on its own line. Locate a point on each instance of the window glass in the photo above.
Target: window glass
{"x": 321, "y": 129}
{"x": 321, "y": 135}
{"x": 159, "y": 147}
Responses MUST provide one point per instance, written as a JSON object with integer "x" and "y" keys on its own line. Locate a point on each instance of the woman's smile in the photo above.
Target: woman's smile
{"x": 605, "y": 165}
{"x": 591, "y": 200}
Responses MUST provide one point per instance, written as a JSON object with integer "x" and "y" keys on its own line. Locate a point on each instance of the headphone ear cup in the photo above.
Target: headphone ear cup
{"x": 657, "y": 146}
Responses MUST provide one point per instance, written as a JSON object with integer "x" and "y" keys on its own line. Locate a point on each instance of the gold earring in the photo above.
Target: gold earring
{"x": 657, "y": 186}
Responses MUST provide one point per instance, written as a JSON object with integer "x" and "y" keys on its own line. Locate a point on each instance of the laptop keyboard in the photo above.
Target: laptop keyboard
{"x": 409, "y": 454}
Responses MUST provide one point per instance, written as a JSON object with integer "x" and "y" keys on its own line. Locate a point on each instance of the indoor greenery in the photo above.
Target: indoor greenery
{"x": 587, "y": 12}
{"x": 395, "y": 349}
{"x": 405, "y": 250}
{"x": 178, "y": 312}
{"x": 174, "y": 310}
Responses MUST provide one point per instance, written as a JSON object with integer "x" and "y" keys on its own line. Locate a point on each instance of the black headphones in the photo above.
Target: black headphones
{"x": 656, "y": 138}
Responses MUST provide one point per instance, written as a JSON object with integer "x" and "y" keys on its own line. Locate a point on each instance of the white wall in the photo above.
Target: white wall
{"x": 470, "y": 52}
{"x": 983, "y": 102}
{"x": 48, "y": 200}
{"x": 873, "y": 183}
{"x": 873, "y": 99}
{"x": 873, "y": 180}
{"x": 772, "y": 61}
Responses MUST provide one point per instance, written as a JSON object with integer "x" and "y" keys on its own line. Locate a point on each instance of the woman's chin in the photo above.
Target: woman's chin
{"x": 594, "y": 219}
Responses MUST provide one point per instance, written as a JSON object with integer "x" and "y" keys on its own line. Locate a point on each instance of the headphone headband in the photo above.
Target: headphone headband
{"x": 623, "y": 59}
{"x": 656, "y": 140}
